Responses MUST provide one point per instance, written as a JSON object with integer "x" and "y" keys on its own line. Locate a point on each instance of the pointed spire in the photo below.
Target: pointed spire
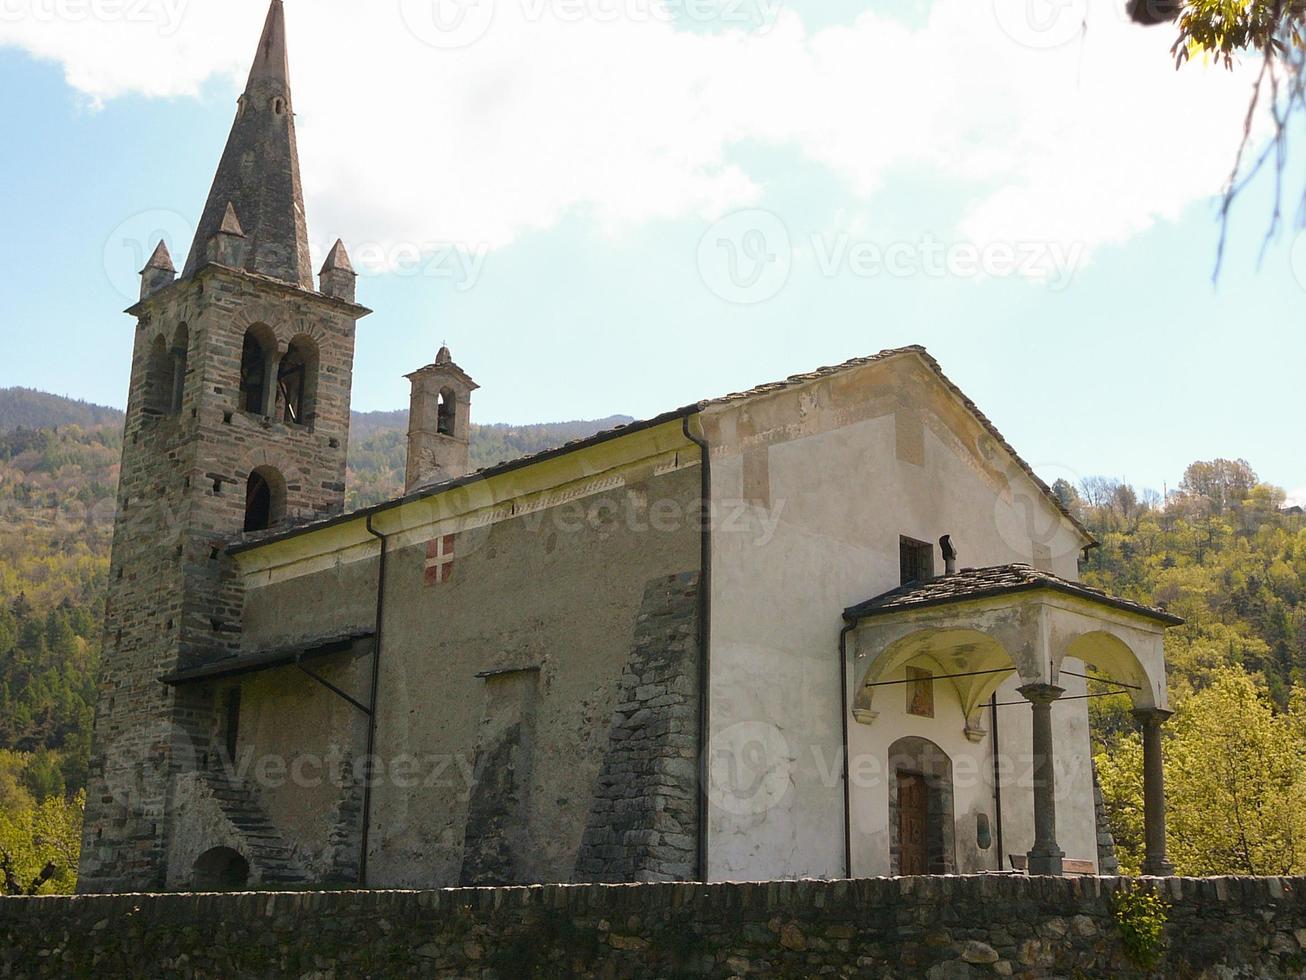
{"x": 444, "y": 357}
{"x": 230, "y": 223}
{"x": 338, "y": 259}
{"x": 161, "y": 259}
{"x": 259, "y": 172}
{"x": 227, "y": 246}
{"x": 158, "y": 272}
{"x": 272, "y": 63}
{"x": 337, "y": 276}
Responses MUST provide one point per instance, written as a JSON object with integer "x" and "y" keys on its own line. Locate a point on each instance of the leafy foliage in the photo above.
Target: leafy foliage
{"x": 1141, "y": 918}
{"x": 1224, "y": 29}
{"x": 1222, "y": 553}
{"x": 39, "y": 842}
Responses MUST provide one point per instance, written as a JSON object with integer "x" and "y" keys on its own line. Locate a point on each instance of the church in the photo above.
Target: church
{"x": 827, "y": 627}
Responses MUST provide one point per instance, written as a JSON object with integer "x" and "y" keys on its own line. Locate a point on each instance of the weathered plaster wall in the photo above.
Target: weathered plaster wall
{"x": 813, "y": 488}
{"x": 938, "y": 928}
{"x": 332, "y": 601}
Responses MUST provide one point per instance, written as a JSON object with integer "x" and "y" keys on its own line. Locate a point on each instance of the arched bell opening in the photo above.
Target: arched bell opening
{"x": 265, "y": 499}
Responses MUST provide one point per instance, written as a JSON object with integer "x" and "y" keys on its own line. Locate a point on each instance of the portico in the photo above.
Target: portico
{"x": 972, "y": 632}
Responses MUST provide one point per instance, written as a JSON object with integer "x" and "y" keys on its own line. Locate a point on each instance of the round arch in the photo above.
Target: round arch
{"x": 265, "y": 498}
{"x": 982, "y": 658}
{"x": 1114, "y": 659}
{"x": 220, "y": 869}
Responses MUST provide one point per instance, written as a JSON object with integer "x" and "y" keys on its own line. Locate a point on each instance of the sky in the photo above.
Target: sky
{"x": 622, "y": 206}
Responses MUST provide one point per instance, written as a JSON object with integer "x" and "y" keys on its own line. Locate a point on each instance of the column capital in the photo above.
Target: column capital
{"x": 1152, "y": 716}
{"x": 1041, "y": 693}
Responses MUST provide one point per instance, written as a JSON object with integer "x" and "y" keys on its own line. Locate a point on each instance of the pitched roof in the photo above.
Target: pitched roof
{"x": 924, "y": 355}
{"x": 793, "y": 381}
{"x": 982, "y": 583}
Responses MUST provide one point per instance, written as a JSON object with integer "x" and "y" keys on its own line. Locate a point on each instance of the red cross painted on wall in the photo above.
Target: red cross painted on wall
{"x": 439, "y": 560}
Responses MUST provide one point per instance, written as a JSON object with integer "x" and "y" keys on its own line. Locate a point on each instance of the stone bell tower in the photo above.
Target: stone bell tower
{"x": 237, "y": 421}
{"x": 439, "y": 423}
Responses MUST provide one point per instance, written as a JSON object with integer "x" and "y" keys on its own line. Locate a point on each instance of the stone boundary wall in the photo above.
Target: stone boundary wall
{"x": 938, "y": 928}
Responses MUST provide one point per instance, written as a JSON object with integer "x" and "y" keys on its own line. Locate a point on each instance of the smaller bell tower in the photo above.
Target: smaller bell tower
{"x": 439, "y": 423}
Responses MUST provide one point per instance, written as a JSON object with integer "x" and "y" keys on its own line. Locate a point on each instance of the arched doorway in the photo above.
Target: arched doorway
{"x": 220, "y": 869}
{"x": 921, "y": 825}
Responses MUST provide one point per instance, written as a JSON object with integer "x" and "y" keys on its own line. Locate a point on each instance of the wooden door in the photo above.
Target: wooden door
{"x": 913, "y": 817}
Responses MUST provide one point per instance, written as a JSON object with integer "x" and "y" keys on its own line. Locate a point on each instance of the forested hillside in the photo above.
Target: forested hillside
{"x": 23, "y": 408}
{"x": 1224, "y": 554}
{"x": 1220, "y": 552}
{"x": 377, "y": 449}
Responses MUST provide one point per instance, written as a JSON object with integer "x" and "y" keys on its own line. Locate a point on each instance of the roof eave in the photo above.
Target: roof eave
{"x": 859, "y": 613}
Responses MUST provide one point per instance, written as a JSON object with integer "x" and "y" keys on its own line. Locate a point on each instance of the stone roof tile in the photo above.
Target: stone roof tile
{"x": 981, "y": 583}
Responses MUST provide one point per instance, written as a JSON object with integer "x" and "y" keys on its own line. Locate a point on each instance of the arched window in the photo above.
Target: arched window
{"x": 255, "y": 369}
{"x": 265, "y": 499}
{"x": 219, "y": 869}
{"x": 180, "y": 353}
{"x": 447, "y": 413}
{"x": 158, "y": 378}
{"x": 297, "y": 381}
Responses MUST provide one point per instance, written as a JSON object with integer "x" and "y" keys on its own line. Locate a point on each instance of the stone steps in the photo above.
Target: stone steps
{"x": 269, "y": 852}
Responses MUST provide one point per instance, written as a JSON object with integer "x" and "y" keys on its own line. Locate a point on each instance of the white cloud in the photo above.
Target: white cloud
{"x": 627, "y": 117}
{"x": 1297, "y": 498}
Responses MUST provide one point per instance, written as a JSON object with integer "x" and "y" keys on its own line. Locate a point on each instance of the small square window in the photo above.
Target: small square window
{"x": 916, "y": 559}
{"x": 920, "y": 692}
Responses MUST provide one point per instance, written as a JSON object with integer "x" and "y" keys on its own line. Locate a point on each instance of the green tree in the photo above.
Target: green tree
{"x": 1236, "y": 786}
{"x": 39, "y": 846}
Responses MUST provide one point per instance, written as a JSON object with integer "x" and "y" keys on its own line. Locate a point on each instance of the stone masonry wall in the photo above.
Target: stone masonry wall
{"x": 173, "y": 599}
{"x": 937, "y": 928}
{"x": 644, "y": 822}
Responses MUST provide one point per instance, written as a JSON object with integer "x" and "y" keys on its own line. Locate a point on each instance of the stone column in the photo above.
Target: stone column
{"x": 1156, "y": 862}
{"x": 1046, "y": 857}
